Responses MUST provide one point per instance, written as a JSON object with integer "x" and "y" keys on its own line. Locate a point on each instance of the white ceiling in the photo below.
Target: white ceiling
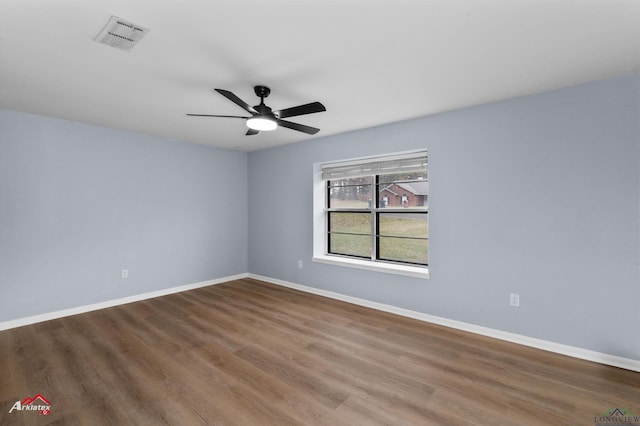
{"x": 369, "y": 62}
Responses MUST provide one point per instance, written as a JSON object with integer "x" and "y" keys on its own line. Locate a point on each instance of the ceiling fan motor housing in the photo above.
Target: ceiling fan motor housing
{"x": 263, "y": 109}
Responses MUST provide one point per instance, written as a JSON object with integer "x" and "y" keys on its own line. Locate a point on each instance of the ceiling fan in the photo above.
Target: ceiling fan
{"x": 264, "y": 118}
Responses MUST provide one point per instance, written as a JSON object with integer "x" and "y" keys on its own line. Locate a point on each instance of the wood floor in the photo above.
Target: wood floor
{"x": 251, "y": 353}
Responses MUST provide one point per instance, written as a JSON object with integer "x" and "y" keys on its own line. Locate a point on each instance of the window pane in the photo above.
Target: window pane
{"x": 354, "y": 223}
{"x": 403, "y": 225}
{"x": 405, "y": 176}
{"x": 350, "y": 193}
{"x": 354, "y": 245}
{"x": 365, "y": 180}
{"x": 403, "y": 194}
{"x": 404, "y": 250}
{"x": 350, "y": 233}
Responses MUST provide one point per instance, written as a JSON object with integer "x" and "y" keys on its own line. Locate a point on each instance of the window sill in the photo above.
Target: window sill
{"x": 389, "y": 268}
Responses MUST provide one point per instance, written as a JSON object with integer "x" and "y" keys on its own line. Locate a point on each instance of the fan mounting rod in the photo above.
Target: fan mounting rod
{"x": 262, "y": 92}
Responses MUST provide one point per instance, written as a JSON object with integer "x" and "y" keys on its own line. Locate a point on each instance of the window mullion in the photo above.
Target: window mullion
{"x": 374, "y": 218}
{"x": 327, "y": 197}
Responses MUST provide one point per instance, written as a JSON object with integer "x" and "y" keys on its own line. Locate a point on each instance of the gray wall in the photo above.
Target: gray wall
{"x": 537, "y": 195}
{"x": 79, "y": 203}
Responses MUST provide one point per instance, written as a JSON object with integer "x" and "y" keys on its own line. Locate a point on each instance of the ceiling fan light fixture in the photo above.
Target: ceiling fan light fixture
{"x": 261, "y": 124}
{"x": 264, "y": 118}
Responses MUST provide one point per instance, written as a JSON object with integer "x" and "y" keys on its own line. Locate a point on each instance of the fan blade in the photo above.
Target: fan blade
{"x": 223, "y": 116}
{"x": 301, "y": 110}
{"x": 299, "y": 127}
{"x": 252, "y": 132}
{"x": 236, "y": 100}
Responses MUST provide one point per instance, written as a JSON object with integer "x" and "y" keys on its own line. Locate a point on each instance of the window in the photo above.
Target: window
{"x": 376, "y": 211}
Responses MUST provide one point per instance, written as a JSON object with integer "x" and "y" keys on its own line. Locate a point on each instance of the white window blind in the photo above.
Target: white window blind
{"x": 396, "y": 164}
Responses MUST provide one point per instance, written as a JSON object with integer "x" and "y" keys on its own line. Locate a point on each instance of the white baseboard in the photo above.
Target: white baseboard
{"x": 109, "y": 303}
{"x": 589, "y": 355}
{"x": 599, "y": 357}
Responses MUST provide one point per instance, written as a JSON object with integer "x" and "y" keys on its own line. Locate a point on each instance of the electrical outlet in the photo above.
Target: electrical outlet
{"x": 514, "y": 300}
{"x": 124, "y": 274}
{"x": 299, "y": 264}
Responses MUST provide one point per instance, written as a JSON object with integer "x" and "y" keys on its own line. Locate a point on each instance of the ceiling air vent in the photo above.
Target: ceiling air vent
{"x": 121, "y": 34}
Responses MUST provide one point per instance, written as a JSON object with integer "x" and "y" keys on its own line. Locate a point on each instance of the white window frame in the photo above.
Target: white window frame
{"x": 320, "y": 233}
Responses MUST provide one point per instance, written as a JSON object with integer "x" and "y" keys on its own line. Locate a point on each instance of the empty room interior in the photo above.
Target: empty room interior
{"x": 319, "y": 212}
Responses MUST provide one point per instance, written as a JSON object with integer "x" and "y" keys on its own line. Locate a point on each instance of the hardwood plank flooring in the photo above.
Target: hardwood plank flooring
{"x": 252, "y": 353}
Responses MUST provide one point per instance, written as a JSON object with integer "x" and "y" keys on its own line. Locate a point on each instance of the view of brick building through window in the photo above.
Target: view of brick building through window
{"x": 404, "y": 194}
